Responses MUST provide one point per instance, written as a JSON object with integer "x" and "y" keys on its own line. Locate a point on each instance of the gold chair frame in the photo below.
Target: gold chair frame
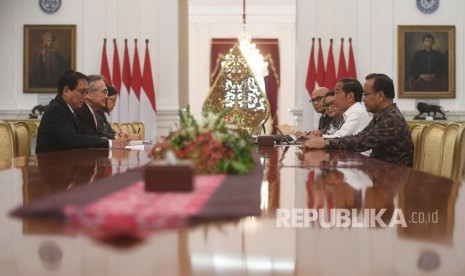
{"x": 22, "y": 134}
{"x": 127, "y": 128}
{"x": 116, "y": 127}
{"x": 416, "y": 132}
{"x": 453, "y": 143}
{"x": 431, "y": 146}
{"x": 7, "y": 142}
{"x": 139, "y": 128}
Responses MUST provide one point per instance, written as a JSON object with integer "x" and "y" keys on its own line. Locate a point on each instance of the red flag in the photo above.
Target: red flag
{"x": 342, "y": 68}
{"x": 330, "y": 77}
{"x": 320, "y": 74}
{"x": 311, "y": 72}
{"x": 352, "y": 71}
{"x": 126, "y": 77}
{"x": 136, "y": 80}
{"x": 116, "y": 77}
{"x": 148, "y": 109}
{"x": 116, "y": 67}
{"x": 126, "y": 84}
{"x": 147, "y": 80}
{"x": 136, "y": 83}
{"x": 104, "y": 69}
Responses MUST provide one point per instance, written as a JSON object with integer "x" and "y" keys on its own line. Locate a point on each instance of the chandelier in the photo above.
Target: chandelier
{"x": 251, "y": 53}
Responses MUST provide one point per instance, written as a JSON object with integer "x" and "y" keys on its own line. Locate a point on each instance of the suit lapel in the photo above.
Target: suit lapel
{"x": 90, "y": 116}
{"x": 68, "y": 111}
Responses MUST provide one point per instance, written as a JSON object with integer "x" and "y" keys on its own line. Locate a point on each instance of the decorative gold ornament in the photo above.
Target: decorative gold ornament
{"x": 237, "y": 89}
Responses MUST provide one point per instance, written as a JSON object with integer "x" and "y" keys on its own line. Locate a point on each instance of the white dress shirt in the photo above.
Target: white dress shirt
{"x": 356, "y": 118}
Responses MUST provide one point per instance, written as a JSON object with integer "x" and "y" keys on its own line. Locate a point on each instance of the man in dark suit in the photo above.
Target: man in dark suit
{"x": 59, "y": 129}
{"x": 93, "y": 101}
{"x": 428, "y": 69}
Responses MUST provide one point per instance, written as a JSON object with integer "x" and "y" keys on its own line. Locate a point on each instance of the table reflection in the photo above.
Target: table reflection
{"x": 293, "y": 179}
{"x": 431, "y": 207}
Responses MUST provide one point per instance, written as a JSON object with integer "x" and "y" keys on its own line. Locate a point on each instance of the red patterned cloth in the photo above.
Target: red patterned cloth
{"x": 133, "y": 212}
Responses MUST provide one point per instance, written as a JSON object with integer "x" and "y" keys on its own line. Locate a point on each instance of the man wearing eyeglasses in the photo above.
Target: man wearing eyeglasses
{"x": 103, "y": 125}
{"x": 94, "y": 100}
{"x": 317, "y": 101}
{"x": 59, "y": 128}
{"x": 348, "y": 95}
{"x": 387, "y": 135}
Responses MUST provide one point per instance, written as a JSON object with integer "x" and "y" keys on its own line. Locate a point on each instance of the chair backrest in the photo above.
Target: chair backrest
{"x": 139, "y": 128}
{"x": 126, "y": 128}
{"x": 22, "y": 138}
{"x": 115, "y": 127}
{"x": 448, "y": 145}
{"x": 432, "y": 149}
{"x": 7, "y": 142}
{"x": 416, "y": 132}
{"x": 453, "y": 161}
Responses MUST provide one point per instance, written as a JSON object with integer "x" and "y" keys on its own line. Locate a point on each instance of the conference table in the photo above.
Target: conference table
{"x": 322, "y": 212}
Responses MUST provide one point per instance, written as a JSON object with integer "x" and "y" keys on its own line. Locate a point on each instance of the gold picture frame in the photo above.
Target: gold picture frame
{"x": 49, "y": 51}
{"x": 426, "y": 61}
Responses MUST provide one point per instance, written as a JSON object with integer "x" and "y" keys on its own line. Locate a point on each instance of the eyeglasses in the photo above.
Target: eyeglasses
{"x": 330, "y": 105}
{"x": 316, "y": 99}
{"x": 105, "y": 91}
{"x": 365, "y": 94}
{"x": 113, "y": 100}
{"x": 83, "y": 91}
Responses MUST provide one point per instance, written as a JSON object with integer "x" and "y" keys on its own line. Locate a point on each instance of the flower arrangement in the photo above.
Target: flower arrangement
{"x": 211, "y": 144}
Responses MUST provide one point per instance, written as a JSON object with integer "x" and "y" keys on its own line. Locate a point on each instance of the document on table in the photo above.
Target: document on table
{"x": 138, "y": 145}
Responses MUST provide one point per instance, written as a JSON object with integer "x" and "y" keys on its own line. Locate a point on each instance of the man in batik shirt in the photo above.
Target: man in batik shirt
{"x": 387, "y": 135}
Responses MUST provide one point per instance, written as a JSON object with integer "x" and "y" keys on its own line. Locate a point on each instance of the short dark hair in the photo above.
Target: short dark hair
{"x": 428, "y": 35}
{"x": 111, "y": 89}
{"x": 382, "y": 83}
{"x": 70, "y": 78}
{"x": 350, "y": 85}
{"x": 330, "y": 93}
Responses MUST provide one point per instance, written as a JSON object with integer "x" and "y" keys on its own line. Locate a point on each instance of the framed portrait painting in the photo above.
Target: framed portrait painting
{"x": 49, "y": 51}
{"x": 426, "y": 61}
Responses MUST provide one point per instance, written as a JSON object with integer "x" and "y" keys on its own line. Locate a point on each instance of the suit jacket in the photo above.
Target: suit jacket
{"x": 104, "y": 126}
{"x": 59, "y": 130}
{"x": 324, "y": 121}
{"x": 86, "y": 121}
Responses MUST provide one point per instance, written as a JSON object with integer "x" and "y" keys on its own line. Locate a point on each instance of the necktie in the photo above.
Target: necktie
{"x": 95, "y": 120}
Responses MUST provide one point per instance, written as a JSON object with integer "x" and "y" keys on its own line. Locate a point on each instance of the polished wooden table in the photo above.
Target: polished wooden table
{"x": 432, "y": 243}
